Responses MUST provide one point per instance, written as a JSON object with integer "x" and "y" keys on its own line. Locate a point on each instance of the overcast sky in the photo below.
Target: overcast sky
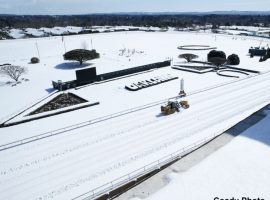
{"x": 108, "y": 6}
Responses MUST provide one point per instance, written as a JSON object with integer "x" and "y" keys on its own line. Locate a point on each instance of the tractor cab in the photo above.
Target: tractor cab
{"x": 170, "y": 108}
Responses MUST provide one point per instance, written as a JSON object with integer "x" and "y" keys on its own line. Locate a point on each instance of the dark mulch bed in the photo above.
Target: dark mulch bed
{"x": 61, "y": 101}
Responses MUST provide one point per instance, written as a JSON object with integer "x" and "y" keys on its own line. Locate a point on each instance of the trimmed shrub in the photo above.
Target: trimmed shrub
{"x": 233, "y": 59}
{"x": 34, "y": 60}
{"x": 81, "y": 55}
{"x": 216, "y": 54}
{"x": 217, "y": 61}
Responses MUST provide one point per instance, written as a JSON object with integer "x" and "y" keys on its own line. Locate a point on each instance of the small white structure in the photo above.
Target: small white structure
{"x": 182, "y": 91}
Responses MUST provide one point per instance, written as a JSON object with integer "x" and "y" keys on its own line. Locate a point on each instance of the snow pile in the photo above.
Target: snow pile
{"x": 55, "y": 31}
{"x": 238, "y": 32}
{"x": 73, "y": 29}
{"x": 34, "y": 32}
{"x": 120, "y": 28}
{"x": 16, "y": 33}
{"x": 101, "y": 29}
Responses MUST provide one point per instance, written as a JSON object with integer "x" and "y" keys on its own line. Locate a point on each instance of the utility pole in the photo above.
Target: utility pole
{"x": 64, "y": 43}
{"x": 182, "y": 85}
{"x": 37, "y": 50}
{"x": 92, "y": 44}
{"x": 182, "y": 91}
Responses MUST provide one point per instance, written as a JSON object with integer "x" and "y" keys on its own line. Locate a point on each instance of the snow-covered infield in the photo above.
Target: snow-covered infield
{"x": 79, "y": 160}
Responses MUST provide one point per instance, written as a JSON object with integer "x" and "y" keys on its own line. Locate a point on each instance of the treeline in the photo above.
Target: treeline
{"x": 177, "y": 20}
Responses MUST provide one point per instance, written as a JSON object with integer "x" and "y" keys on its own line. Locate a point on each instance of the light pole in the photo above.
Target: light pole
{"x": 182, "y": 91}
{"x": 37, "y": 50}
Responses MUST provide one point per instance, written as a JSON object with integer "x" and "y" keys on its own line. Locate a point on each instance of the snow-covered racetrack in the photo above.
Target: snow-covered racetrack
{"x": 69, "y": 164}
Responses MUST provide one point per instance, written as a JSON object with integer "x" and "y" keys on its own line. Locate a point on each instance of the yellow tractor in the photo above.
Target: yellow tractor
{"x": 174, "y": 106}
{"x": 170, "y": 108}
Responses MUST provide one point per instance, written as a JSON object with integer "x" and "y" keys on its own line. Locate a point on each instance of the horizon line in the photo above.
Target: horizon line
{"x": 221, "y": 12}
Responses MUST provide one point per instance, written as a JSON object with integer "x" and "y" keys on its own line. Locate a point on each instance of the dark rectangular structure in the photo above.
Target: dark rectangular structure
{"x": 64, "y": 85}
{"x": 89, "y": 75}
{"x": 132, "y": 70}
{"x": 86, "y": 75}
{"x": 257, "y": 51}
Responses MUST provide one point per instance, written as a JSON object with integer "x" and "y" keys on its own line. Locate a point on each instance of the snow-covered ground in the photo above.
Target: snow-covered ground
{"x": 156, "y": 47}
{"x": 239, "y": 169}
{"x": 76, "y": 161}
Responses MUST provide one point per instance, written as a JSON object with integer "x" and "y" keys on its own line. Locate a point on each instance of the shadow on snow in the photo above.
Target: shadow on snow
{"x": 72, "y": 65}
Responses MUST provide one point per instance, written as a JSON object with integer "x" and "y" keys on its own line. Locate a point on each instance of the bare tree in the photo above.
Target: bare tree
{"x": 188, "y": 56}
{"x": 12, "y": 71}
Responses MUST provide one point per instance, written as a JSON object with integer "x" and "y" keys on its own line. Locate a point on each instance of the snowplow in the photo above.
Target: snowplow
{"x": 173, "y": 106}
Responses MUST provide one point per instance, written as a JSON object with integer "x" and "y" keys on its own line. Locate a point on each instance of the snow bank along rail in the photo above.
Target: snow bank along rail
{"x": 114, "y": 115}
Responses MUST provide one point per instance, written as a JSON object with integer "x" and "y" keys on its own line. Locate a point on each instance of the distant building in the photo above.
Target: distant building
{"x": 264, "y": 33}
{"x": 244, "y": 34}
{"x": 257, "y": 51}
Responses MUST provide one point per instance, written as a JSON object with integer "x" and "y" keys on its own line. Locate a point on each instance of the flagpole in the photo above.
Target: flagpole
{"x": 64, "y": 43}
{"x": 37, "y": 50}
{"x": 92, "y": 43}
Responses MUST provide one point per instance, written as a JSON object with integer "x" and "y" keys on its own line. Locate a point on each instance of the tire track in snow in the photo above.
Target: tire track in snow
{"x": 28, "y": 165}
